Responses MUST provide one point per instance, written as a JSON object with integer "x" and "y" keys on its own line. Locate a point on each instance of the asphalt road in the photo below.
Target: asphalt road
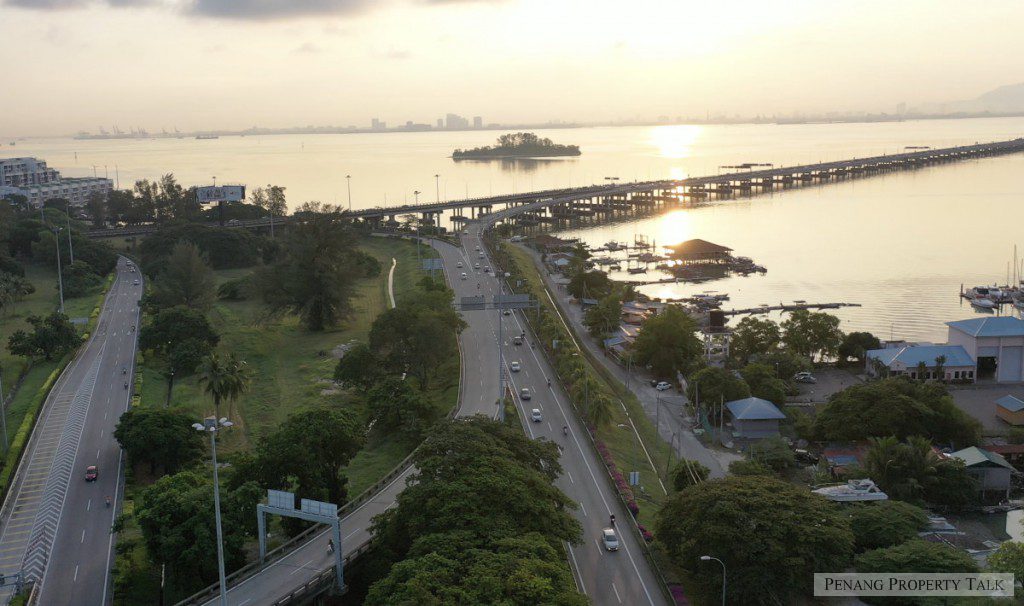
{"x": 56, "y": 526}
{"x": 621, "y": 577}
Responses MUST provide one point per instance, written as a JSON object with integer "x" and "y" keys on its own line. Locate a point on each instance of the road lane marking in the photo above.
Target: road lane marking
{"x": 616, "y": 592}
{"x": 76, "y": 574}
{"x": 88, "y": 505}
{"x": 83, "y": 537}
{"x": 569, "y": 473}
{"x": 576, "y": 567}
{"x": 598, "y": 545}
{"x": 303, "y": 567}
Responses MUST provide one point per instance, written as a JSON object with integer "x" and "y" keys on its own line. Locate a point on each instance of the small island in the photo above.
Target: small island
{"x": 518, "y": 145}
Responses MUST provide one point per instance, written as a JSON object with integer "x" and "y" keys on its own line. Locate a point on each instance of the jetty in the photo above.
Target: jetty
{"x": 783, "y": 307}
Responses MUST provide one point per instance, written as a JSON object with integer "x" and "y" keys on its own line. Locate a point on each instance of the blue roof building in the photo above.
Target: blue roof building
{"x": 906, "y": 360}
{"x": 754, "y": 418}
{"x": 996, "y": 343}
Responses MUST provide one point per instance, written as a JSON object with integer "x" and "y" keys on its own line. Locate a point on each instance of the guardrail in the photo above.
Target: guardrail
{"x": 209, "y": 592}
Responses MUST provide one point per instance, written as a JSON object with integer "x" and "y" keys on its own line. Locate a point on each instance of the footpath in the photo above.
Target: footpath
{"x": 668, "y": 410}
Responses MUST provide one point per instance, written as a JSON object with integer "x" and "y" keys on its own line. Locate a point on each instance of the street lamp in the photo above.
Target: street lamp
{"x": 60, "y": 279}
{"x": 348, "y": 184}
{"x": 71, "y": 249}
{"x": 705, "y": 558}
{"x": 437, "y": 188}
{"x": 212, "y": 425}
{"x": 417, "y": 194}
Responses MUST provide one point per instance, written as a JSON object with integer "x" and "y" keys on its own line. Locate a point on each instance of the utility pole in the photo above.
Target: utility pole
{"x": 348, "y": 184}
{"x": 71, "y": 248}
{"x": 60, "y": 278}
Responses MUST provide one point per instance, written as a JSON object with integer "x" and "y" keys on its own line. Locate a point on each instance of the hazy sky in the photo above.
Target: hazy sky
{"x": 74, "y": 65}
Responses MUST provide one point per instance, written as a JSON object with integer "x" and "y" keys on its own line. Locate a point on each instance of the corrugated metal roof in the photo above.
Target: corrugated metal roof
{"x": 976, "y": 456}
{"x": 752, "y": 409}
{"x": 1011, "y": 403}
{"x": 1001, "y": 326}
{"x": 912, "y": 355}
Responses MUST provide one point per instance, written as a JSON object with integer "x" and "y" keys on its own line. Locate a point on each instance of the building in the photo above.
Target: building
{"x": 440, "y": 122}
{"x": 455, "y": 121}
{"x": 1013, "y": 453}
{"x": 701, "y": 251}
{"x": 478, "y": 122}
{"x": 1010, "y": 409}
{"x": 377, "y": 124}
{"x": 31, "y": 178}
{"x": 754, "y": 418}
{"x": 996, "y": 343}
{"x": 957, "y": 366}
{"x": 990, "y": 469}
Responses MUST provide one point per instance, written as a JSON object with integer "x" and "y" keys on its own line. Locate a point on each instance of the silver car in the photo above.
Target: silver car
{"x": 610, "y": 539}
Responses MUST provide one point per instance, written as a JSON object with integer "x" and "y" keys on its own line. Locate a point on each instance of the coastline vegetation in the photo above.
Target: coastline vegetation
{"x": 518, "y": 145}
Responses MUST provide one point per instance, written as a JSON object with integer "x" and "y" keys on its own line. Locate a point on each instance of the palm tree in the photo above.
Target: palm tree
{"x": 224, "y": 379}
{"x": 940, "y": 368}
{"x": 599, "y": 410}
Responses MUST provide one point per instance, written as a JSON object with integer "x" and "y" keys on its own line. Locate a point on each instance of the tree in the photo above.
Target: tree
{"x": 307, "y": 454}
{"x": 886, "y": 523}
{"x": 856, "y": 345}
{"x": 418, "y": 335}
{"x": 754, "y": 337}
{"x": 764, "y": 384}
{"x": 916, "y": 556}
{"x": 186, "y": 280}
{"x": 689, "y": 472}
{"x": 52, "y": 336}
{"x": 359, "y": 367}
{"x": 604, "y": 318}
{"x": 774, "y": 452}
{"x": 223, "y": 379}
{"x": 668, "y": 343}
{"x": 599, "y": 409}
{"x": 13, "y": 288}
{"x": 174, "y": 515}
{"x": 713, "y": 386}
{"x": 97, "y": 207}
{"x": 771, "y": 535}
{"x": 593, "y": 284}
{"x": 911, "y": 471}
{"x": 522, "y": 569}
{"x": 896, "y": 407}
{"x": 79, "y": 279}
{"x": 173, "y": 326}
{"x": 394, "y": 405}
{"x": 159, "y": 436}
{"x": 940, "y": 369}
{"x": 812, "y": 334}
{"x": 1008, "y": 558}
{"x": 750, "y": 467}
{"x": 316, "y": 275}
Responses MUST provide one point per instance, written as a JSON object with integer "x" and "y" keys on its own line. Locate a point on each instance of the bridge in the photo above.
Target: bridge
{"x": 550, "y": 206}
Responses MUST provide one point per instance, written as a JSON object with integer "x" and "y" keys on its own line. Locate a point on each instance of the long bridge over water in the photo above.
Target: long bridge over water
{"x": 550, "y": 206}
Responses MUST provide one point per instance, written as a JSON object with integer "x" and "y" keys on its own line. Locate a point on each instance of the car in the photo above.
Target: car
{"x": 804, "y": 377}
{"x": 524, "y": 393}
{"x": 610, "y": 539}
{"x": 465, "y": 232}
{"x": 654, "y": 382}
{"x": 481, "y": 254}
{"x": 487, "y": 269}
{"x": 517, "y": 340}
{"x": 507, "y": 312}
{"x": 91, "y": 473}
{"x": 476, "y": 266}
{"x": 663, "y": 386}
{"x": 514, "y": 366}
{"x": 463, "y": 275}
{"x": 459, "y": 264}
{"x": 536, "y": 416}
{"x": 478, "y": 247}
{"x": 136, "y": 282}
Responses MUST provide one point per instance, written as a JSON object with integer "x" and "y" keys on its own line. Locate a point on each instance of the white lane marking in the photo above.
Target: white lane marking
{"x": 583, "y": 509}
{"x": 245, "y": 601}
{"x": 303, "y": 567}
{"x": 616, "y": 592}
{"x": 76, "y": 574}
{"x": 351, "y": 533}
{"x": 98, "y": 453}
{"x": 101, "y": 432}
{"x": 83, "y": 537}
{"x": 569, "y": 473}
{"x": 576, "y": 570}
{"x": 598, "y": 545}
{"x": 88, "y": 505}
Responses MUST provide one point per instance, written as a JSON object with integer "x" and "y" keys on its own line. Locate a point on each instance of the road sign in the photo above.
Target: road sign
{"x": 634, "y": 478}
{"x": 281, "y": 498}
{"x": 319, "y": 508}
{"x": 472, "y": 303}
{"x": 220, "y": 193}
{"x": 513, "y": 302}
{"x": 432, "y": 264}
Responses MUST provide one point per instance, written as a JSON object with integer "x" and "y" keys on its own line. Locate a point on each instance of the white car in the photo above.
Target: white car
{"x": 514, "y": 366}
{"x": 459, "y": 264}
{"x": 463, "y": 275}
{"x": 536, "y": 416}
{"x": 136, "y": 283}
{"x": 804, "y": 377}
{"x": 476, "y": 266}
{"x": 481, "y": 254}
{"x": 663, "y": 386}
{"x": 610, "y": 539}
{"x": 478, "y": 247}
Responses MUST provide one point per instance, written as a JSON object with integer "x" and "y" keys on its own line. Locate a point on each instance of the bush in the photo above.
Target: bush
{"x": 28, "y": 422}
{"x": 885, "y": 523}
{"x": 238, "y": 289}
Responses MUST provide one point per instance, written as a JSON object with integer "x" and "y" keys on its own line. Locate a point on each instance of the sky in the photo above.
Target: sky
{"x": 73, "y": 65}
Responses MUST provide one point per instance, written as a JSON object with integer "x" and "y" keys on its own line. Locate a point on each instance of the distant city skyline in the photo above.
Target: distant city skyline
{"x": 211, "y": 64}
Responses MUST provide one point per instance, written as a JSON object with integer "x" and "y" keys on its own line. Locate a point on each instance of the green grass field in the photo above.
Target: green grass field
{"x": 43, "y": 301}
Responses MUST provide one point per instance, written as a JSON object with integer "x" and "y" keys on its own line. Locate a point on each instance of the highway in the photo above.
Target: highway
{"x": 621, "y": 577}
{"x": 55, "y": 525}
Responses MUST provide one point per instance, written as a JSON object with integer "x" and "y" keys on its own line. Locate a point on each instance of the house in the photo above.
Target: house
{"x": 990, "y": 469}
{"x": 700, "y": 251}
{"x": 1013, "y": 453}
{"x": 1010, "y": 409}
{"x": 958, "y": 366}
{"x": 560, "y": 261}
{"x": 754, "y": 418}
{"x": 996, "y": 343}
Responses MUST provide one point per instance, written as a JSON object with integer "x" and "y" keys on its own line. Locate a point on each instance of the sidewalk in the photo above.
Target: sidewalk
{"x": 673, "y": 422}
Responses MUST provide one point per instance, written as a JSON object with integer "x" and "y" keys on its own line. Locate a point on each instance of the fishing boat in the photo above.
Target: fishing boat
{"x": 983, "y": 303}
{"x": 853, "y": 490}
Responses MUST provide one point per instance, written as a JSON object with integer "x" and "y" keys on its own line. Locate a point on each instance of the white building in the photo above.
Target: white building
{"x": 957, "y": 366}
{"x": 996, "y": 344}
{"x": 31, "y": 178}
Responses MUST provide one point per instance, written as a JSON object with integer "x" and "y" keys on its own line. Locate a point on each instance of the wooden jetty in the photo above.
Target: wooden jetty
{"x": 763, "y": 309}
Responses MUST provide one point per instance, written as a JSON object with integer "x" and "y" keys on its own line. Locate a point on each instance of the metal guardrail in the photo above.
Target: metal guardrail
{"x": 207, "y": 593}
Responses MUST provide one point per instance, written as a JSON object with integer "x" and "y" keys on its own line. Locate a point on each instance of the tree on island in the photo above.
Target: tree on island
{"x": 519, "y": 144}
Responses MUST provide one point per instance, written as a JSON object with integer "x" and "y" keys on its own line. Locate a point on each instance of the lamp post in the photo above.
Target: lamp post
{"x": 437, "y": 188}
{"x": 71, "y": 248}
{"x": 3, "y": 410}
{"x": 348, "y": 185}
{"x": 705, "y": 558}
{"x": 60, "y": 278}
{"x": 417, "y": 194}
{"x": 212, "y": 425}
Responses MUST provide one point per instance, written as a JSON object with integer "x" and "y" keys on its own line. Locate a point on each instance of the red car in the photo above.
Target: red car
{"x": 91, "y": 473}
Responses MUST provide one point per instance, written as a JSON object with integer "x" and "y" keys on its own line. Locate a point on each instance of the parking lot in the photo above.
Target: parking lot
{"x": 830, "y": 381}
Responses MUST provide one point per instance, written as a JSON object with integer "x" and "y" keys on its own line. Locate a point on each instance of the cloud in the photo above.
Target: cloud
{"x": 46, "y": 4}
{"x": 395, "y": 53}
{"x": 255, "y": 10}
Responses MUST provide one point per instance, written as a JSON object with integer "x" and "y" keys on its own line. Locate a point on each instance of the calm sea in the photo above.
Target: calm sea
{"x": 899, "y": 244}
